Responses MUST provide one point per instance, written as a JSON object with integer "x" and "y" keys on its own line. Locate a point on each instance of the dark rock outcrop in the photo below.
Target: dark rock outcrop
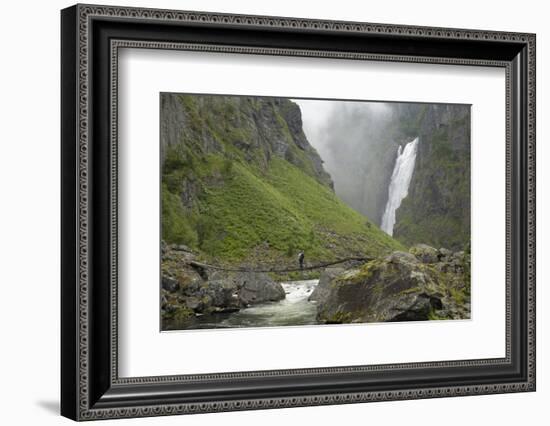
{"x": 187, "y": 291}
{"x": 257, "y": 126}
{"x": 423, "y": 284}
{"x": 257, "y": 288}
{"x": 170, "y": 284}
{"x": 246, "y": 288}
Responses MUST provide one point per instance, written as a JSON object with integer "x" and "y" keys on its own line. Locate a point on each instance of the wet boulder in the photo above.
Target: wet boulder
{"x": 323, "y": 287}
{"x": 243, "y": 288}
{"x": 224, "y": 293}
{"x": 400, "y": 287}
{"x": 258, "y": 288}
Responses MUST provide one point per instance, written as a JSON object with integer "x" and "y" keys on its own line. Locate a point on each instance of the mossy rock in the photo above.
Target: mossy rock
{"x": 399, "y": 287}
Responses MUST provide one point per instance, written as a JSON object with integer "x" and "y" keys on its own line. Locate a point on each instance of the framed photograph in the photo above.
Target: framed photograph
{"x": 263, "y": 212}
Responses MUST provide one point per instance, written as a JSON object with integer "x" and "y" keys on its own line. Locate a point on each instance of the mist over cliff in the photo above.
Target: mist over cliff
{"x": 353, "y": 141}
{"x": 359, "y": 143}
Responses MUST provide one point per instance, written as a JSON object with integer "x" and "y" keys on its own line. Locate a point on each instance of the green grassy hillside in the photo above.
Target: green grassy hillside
{"x": 248, "y": 200}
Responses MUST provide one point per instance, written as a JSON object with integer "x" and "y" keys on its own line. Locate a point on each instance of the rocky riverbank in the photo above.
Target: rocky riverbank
{"x": 422, "y": 284}
{"x": 189, "y": 291}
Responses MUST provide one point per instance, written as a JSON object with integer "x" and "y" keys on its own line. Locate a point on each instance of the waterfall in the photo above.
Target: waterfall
{"x": 399, "y": 183}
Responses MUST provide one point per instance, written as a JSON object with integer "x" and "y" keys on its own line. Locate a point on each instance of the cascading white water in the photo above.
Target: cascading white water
{"x": 399, "y": 183}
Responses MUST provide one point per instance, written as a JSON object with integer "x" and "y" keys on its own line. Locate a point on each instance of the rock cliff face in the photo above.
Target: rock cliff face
{"x": 257, "y": 127}
{"x": 422, "y": 284}
{"x": 437, "y": 208}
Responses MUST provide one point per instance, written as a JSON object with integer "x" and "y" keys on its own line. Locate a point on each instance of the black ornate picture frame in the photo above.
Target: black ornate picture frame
{"x": 91, "y": 386}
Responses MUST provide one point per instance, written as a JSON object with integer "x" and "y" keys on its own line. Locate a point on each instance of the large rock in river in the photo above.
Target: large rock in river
{"x": 322, "y": 290}
{"x": 248, "y": 287}
{"x": 258, "y": 287}
{"x": 414, "y": 286}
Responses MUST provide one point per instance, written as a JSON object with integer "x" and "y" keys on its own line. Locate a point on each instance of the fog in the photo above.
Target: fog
{"x": 354, "y": 139}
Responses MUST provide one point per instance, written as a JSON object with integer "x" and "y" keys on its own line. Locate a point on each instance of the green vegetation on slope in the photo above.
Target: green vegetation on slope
{"x": 286, "y": 211}
{"x": 242, "y": 203}
{"x": 255, "y": 216}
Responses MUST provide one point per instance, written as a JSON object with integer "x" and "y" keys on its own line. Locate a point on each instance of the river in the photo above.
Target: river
{"x": 294, "y": 309}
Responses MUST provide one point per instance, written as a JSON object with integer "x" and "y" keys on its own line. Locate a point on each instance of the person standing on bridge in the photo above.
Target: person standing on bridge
{"x": 301, "y": 259}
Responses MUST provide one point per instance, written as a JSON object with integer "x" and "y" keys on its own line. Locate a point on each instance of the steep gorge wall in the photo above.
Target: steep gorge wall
{"x": 236, "y": 125}
{"x": 437, "y": 209}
